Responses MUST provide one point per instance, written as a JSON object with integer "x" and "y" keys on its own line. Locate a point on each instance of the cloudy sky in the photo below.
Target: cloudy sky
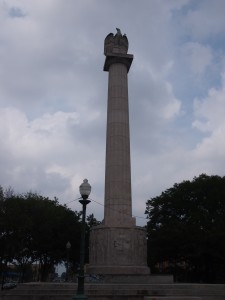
{"x": 53, "y": 94}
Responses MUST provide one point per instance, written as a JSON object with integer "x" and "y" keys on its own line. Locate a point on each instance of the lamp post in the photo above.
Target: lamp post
{"x": 85, "y": 190}
{"x": 68, "y": 246}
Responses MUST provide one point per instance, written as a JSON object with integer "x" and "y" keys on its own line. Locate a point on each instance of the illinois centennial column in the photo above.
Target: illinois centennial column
{"x": 118, "y": 246}
{"x": 118, "y": 206}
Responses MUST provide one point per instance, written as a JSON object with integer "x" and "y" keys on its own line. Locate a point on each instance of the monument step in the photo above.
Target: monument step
{"x": 49, "y": 291}
{"x": 172, "y": 298}
{"x": 104, "y": 296}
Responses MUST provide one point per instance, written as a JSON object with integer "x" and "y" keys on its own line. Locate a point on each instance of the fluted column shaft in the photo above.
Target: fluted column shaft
{"x": 118, "y": 200}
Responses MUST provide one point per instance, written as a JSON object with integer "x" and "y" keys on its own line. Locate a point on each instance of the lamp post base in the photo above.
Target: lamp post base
{"x": 80, "y": 288}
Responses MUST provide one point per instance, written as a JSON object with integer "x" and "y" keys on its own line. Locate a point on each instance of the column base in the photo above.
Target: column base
{"x": 118, "y": 250}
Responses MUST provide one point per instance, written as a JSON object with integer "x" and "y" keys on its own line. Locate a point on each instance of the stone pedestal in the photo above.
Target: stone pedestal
{"x": 118, "y": 251}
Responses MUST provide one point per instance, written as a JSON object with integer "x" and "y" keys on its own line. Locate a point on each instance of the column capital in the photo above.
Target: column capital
{"x": 125, "y": 59}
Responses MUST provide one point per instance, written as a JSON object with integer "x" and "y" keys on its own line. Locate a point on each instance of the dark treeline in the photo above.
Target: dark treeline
{"x": 35, "y": 230}
{"x": 186, "y": 230}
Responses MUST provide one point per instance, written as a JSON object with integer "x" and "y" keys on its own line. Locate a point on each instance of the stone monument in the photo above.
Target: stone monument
{"x": 118, "y": 246}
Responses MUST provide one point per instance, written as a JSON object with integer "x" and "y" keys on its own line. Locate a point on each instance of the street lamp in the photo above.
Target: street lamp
{"x": 85, "y": 190}
{"x": 68, "y": 246}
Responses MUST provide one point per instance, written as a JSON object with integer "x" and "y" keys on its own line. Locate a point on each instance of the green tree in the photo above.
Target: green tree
{"x": 35, "y": 228}
{"x": 186, "y": 229}
{"x": 92, "y": 221}
{"x": 6, "y": 232}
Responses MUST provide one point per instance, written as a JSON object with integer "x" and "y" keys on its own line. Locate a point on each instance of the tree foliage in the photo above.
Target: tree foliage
{"x": 35, "y": 228}
{"x": 186, "y": 229}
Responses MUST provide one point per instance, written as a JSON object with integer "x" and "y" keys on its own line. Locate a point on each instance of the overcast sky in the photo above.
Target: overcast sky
{"x": 53, "y": 95}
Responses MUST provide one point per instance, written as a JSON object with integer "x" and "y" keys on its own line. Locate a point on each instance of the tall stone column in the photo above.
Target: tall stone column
{"x": 118, "y": 247}
{"x": 118, "y": 202}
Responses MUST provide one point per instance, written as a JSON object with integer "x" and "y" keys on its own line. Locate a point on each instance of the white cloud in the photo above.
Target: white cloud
{"x": 205, "y": 19}
{"x": 48, "y": 154}
{"x": 209, "y": 118}
{"x": 198, "y": 57}
{"x": 210, "y": 111}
